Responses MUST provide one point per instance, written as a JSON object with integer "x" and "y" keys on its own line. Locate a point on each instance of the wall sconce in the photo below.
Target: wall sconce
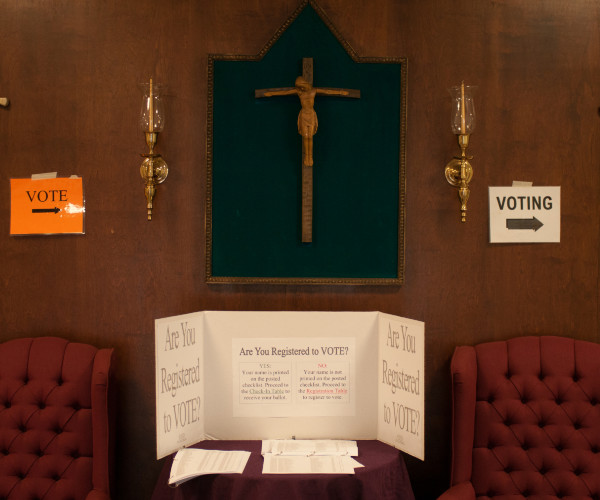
{"x": 458, "y": 170}
{"x": 154, "y": 169}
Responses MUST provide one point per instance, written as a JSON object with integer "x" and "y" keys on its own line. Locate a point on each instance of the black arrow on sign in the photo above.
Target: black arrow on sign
{"x": 45, "y": 210}
{"x": 532, "y": 223}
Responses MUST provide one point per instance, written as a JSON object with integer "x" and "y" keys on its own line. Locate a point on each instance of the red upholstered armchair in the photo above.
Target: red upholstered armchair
{"x": 526, "y": 420}
{"x": 56, "y": 437}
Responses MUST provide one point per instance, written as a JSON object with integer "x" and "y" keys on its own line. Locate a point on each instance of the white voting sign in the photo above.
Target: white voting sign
{"x": 524, "y": 214}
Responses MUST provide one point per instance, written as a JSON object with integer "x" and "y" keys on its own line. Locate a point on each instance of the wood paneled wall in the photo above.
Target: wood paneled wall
{"x": 71, "y": 68}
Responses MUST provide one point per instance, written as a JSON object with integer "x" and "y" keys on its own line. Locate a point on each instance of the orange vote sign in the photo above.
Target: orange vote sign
{"x": 46, "y": 206}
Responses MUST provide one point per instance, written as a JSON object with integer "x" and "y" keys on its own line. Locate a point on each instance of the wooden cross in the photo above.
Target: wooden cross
{"x": 307, "y": 128}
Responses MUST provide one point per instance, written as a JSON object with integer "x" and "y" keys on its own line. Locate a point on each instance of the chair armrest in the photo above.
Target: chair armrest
{"x": 460, "y": 491}
{"x": 97, "y": 495}
{"x": 463, "y": 369}
{"x": 103, "y": 421}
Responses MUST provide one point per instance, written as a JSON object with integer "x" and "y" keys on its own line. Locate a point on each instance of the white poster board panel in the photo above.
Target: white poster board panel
{"x": 179, "y": 354}
{"x": 353, "y": 375}
{"x": 401, "y": 379}
{"x": 226, "y": 329}
{"x": 274, "y": 377}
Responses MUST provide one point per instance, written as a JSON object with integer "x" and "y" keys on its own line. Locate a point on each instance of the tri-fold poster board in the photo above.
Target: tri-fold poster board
{"x": 284, "y": 375}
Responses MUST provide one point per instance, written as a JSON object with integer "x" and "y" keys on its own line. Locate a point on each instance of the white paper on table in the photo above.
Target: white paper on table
{"x": 309, "y": 447}
{"x": 192, "y": 462}
{"x": 287, "y": 464}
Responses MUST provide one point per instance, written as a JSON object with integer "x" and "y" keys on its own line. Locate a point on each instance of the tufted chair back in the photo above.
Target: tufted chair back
{"x": 56, "y": 412}
{"x": 526, "y": 420}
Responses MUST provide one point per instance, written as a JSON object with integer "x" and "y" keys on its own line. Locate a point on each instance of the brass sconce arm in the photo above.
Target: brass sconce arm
{"x": 459, "y": 173}
{"x": 154, "y": 171}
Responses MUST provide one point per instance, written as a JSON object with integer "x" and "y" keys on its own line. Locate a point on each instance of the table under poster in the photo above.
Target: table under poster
{"x": 383, "y": 476}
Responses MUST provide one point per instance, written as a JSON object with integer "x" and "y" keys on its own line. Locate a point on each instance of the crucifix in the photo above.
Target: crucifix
{"x": 307, "y": 128}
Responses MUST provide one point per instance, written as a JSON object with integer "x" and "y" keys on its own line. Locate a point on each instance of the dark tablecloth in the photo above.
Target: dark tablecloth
{"x": 383, "y": 477}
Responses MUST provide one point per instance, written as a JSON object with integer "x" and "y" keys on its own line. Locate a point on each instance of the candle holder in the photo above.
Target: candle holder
{"x": 154, "y": 169}
{"x": 459, "y": 171}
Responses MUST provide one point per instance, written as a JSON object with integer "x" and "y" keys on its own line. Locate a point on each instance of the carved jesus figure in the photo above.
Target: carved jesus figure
{"x": 307, "y": 118}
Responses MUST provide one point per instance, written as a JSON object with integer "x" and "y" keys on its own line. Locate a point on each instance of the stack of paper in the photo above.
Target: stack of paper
{"x": 291, "y": 456}
{"x": 191, "y": 462}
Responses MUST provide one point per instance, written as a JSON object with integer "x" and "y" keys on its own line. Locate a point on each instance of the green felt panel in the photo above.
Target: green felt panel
{"x": 257, "y": 156}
